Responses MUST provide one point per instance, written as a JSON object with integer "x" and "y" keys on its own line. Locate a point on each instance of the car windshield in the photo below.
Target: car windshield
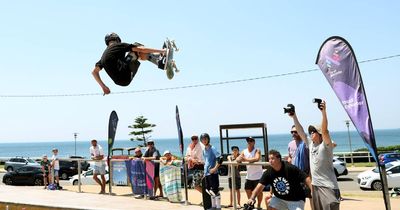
{"x": 387, "y": 165}
{"x": 30, "y": 160}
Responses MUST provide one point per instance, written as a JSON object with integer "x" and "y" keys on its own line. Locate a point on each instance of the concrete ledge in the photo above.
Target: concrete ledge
{"x": 37, "y": 197}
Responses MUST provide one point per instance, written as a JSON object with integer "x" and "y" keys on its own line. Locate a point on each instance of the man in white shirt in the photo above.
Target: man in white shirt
{"x": 254, "y": 172}
{"x": 55, "y": 164}
{"x": 97, "y": 154}
{"x": 194, "y": 158}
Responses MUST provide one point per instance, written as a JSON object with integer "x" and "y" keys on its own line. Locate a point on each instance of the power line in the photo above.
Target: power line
{"x": 186, "y": 86}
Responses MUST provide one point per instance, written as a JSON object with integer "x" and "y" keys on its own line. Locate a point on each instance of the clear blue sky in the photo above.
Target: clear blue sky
{"x": 50, "y": 47}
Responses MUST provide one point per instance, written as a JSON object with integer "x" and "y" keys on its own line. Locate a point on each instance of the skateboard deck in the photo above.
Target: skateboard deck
{"x": 206, "y": 196}
{"x": 169, "y": 58}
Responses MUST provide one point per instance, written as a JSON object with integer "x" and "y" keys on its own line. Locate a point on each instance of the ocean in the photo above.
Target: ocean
{"x": 275, "y": 141}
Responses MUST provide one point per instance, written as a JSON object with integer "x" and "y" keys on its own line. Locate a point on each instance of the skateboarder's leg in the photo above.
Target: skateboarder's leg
{"x": 157, "y": 59}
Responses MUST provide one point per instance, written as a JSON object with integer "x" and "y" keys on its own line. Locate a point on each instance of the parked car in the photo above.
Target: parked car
{"x": 388, "y": 157}
{"x": 84, "y": 164}
{"x": 339, "y": 167}
{"x": 18, "y": 162}
{"x": 87, "y": 178}
{"x": 371, "y": 179}
{"x": 69, "y": 168}
{"x": 26, "y": 175}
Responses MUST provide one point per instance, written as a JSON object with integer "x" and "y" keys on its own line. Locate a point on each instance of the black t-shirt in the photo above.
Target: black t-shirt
{"x": 285, "y": 183}
{"x": 153, "y": 153}
{"x": 113, "y": 61}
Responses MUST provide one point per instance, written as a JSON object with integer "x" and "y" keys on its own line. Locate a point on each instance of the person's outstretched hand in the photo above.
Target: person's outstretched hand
{"x": 106, "y": 90}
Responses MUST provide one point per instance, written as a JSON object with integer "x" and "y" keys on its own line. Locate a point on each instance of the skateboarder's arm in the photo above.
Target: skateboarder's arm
{"x": 141, "y": 49}
{"x": 96, "y": 76}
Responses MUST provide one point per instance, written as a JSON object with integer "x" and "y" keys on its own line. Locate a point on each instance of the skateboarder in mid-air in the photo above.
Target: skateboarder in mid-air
{"x": 121, "y": 67}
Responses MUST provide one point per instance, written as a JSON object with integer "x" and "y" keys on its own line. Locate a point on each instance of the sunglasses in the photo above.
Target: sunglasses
{"x": 293, "y": 132}
{"x": 312, "y": 132}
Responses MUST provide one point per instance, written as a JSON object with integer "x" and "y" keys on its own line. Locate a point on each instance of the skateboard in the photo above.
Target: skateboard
{"x": 206, "y": 197}
{"x": 169, "y": 62}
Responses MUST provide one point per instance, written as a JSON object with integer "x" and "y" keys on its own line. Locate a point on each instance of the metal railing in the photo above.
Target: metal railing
{"x": 232, "y": 165}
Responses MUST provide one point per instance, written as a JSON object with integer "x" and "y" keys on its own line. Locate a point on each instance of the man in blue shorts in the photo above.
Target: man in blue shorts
{"x": 212, "y": 160}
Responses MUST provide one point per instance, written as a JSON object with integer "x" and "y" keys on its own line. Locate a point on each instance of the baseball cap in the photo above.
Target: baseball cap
{"x": 167, "y": 152}
{"x": 315, "y": 128}
{"x": 250, "y": 139}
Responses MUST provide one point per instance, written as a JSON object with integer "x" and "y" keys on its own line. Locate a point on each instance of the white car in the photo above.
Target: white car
{"x": 87, "y": 178}
{"x": 339, "y": 167}
{"x": 371, "y": 179}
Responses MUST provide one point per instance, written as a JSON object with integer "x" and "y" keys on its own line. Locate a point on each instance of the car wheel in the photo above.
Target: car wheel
{"x": 64, "y": 176}
{"x": 336, "y": 173}
{"x": 38, "y": 182}
{"x": 75, "y": 182}
{"x": 8, "y": 181}
{"x": 376, "y": 185}
{"x": 10, "y": 169}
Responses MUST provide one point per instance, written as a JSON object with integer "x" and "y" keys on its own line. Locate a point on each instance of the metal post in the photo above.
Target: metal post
{"x": 348, "y": 133}
{"x": 79, "y": 175}
{"x": 233, "y": 175}
{"x": 110, "y": 177}
{"x": 75, "y": 135}
{"x": 185, "y": 168}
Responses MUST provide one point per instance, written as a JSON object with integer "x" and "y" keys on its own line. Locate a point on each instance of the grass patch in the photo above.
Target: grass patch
{"x": 365, "y": 164}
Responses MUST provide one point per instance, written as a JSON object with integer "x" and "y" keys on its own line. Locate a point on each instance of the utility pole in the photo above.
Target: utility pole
{"x": 75, "y": 135}
{"x": 348, "y": 133}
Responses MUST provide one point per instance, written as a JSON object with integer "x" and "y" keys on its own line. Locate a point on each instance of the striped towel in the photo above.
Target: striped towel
{"x": 170, "y": 178}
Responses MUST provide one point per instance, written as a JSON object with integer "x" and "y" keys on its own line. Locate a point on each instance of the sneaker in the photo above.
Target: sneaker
{"x": 139, "y": 196}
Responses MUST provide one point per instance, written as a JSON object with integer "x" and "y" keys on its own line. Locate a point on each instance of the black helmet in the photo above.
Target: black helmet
{"x": 112, "y": 37}
{"x": 205, "y": 135}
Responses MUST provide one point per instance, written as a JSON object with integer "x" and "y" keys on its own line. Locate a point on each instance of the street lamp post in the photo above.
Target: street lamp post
{"x": 348, "y": 133}
{"x": 75, "y": 135}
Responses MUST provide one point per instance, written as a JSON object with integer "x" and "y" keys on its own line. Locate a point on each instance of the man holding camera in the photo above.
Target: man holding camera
{"x": 325, "y": 190}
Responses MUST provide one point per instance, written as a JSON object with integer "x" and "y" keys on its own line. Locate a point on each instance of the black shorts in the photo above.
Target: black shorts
{"x": 250, "y": 184}
{"x": 212, "y": 183}
{"x": 238, "y": 182}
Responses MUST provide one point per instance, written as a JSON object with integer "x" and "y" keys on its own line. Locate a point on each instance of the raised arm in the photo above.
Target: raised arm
{"x": 324, "y": 125}
{"x": 96, "y": 76}
{"x": 299, "y": 127}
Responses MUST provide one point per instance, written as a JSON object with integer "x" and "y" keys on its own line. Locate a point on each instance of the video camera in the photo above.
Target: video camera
{"x": 318, "y": 101}
{"x": 288, "y": 109}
